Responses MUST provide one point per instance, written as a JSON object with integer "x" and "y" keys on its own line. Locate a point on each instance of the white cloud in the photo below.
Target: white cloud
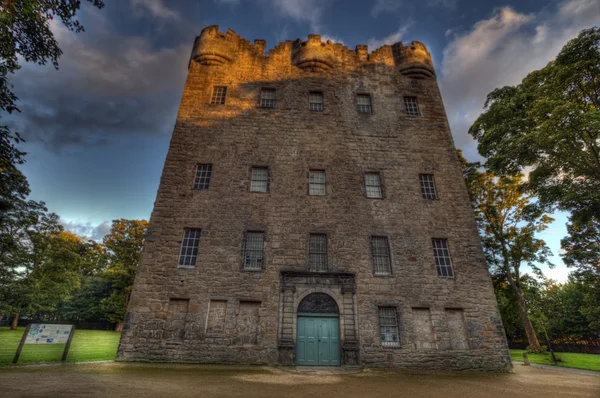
{"x": 392, "y": 38}
{"x": 500, "y": 51}
{"x": 309, "y": 11}
{"x": 382, "y": 6}
{"x": 87, "y": 229}
{"x": 156, "y": 8}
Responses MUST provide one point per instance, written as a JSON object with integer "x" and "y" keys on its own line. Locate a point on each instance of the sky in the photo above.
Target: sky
{"x": 97, "y": 129}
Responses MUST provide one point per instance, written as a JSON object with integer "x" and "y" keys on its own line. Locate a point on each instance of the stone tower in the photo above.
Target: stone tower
{"x": 312, "y": 211}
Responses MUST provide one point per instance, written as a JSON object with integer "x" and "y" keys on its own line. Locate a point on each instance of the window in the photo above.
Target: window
{"x": 189, "y": 248}
{"x": 373, "y": 185}
{"x": 317, "y": 252}
{"x": 260, "y": 179}
{"x": 428, "y": 186}
{"x": 253, "y": 250}
{"x": 411, "y": 107}
{"x": 442, "y": 258}
{"x": 316, "y": 182}
{"x": 364, "y": 103}
{"x": 380, "y": 248}
{"x": 267, "y": 98}
{"x": 388, "y": 327}
{"x": 202, "y": 180}
{"x": 218, "y": 96}
{"x": 315, "y": 101}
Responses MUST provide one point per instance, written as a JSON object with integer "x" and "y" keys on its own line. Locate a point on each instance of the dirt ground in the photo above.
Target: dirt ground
{"x": 150, "y": 380}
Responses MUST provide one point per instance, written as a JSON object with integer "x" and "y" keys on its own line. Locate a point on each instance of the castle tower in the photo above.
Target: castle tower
{"x": 312, "y": 211}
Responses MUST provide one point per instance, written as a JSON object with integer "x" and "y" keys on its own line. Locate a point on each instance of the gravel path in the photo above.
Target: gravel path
{"x": 159, "y": 380}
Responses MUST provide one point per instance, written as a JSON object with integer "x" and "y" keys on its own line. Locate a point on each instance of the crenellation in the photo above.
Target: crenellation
{"x": 213, "y": 48}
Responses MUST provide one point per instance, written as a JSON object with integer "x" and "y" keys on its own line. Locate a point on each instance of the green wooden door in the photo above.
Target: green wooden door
{"x": 318, "y": 341}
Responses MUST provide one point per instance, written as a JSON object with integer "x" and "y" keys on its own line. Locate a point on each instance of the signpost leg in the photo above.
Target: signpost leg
{"x": 18, "y": 353}
{"x": 68, "y": 345}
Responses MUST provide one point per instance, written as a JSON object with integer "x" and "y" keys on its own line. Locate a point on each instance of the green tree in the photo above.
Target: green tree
{"x": 582, "y": 252}
{"x": 48, "y": 270}
{"x": 124, "y": 244}
{"x": 550, "y": 123}
{"x": 25, "y": 35}
{"x": 508, "y": 223}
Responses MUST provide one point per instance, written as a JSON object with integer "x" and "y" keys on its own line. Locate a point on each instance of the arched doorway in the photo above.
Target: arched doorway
{"x": 318, "y": 331}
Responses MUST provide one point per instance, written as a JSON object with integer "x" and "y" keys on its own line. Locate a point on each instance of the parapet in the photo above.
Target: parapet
{"x": 214, "y": 48}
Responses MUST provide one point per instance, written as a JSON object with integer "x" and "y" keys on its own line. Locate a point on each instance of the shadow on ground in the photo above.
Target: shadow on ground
{"x": 157, "y": 380}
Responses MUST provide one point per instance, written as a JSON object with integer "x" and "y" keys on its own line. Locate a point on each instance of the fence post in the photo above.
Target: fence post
{"x": 18, "y": 353}
{"x": 68, "y": 345}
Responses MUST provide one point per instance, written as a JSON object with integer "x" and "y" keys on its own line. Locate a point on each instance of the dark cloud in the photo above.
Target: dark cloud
{"x": 107, "y": 84}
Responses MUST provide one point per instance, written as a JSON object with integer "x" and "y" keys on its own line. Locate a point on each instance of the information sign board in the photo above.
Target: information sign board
{"x": 48, "y": 334}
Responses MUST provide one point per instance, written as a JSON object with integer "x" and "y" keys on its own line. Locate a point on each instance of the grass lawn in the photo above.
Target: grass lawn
{"x": 566, "y": 359}
{"x": 87, "y": 345}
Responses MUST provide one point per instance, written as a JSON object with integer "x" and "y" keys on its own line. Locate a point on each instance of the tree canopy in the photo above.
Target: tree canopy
{"x": 550, "y": 124}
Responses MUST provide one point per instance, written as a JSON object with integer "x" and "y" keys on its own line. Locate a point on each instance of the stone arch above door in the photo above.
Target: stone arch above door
{"x": 318, "y": 303}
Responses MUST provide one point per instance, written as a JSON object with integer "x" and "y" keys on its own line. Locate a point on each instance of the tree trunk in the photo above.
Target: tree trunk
{"x": 534, "y": 344}
{"x": 15, "y": 322}
{"x": 119, "y": 327}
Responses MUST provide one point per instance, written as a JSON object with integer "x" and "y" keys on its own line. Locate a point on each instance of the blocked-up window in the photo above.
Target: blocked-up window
{"x": 218, "y": 95}
{"x": 388, "y": 327}
{"x": 380, "y": 249}
{"x": 253, "y": 250}
{"x": 442, "y": 258}
{"x": 176, "y": 319}
{"x": 203, "y": 174}
{"x": 259, "y": 181}
{"x": 316, "y": 182}
{"x": 457, "y": 329}
{"x": 267, "y": 98}
{"x": 428, "y": 190}
{"x": 411, "y": 106}
{"x": 217, "y": 315}
{"x": 423, "y": 329}
{"x": 248, "y": 323}
{"x": 317, "y": 252}
{"x": 315, "y": 101}
{"x": 364, "y": 103}
{"x": 373, "y": 185}
{"x": 189, "y": 248}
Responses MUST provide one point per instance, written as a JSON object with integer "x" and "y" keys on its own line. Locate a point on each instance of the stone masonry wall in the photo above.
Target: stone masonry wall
{"x": 216, "y": 312}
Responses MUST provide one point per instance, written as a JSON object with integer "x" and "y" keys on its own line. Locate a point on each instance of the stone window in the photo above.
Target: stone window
{"x": 317, "y": 252}
{"x": 388, "y": 327}
{"x": 259, "y": 181}
{"x": 189, "y": 248}
{"x": 364, "y": 103}
{"x": 267, "y": 98}
{"x": 373, "y": 185}
{"x": 411, "y": 106}
{"x": 442, "y": 258}
{"x": 380, "y": 248}
{"x": 203, "y": 173}
{"x": 315, "y": 101}
{"x": 253, "y": 250}
{"x": 218, "y": 95}
{"x": 316, "y": 182}
{"x": 428, "y": 186}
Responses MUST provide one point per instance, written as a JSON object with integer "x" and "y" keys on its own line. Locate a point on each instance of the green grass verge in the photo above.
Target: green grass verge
{"x": 87, "y": 345}
{"x": 566, "y": 359}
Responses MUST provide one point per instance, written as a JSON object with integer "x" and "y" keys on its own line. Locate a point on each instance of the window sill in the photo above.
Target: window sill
{"x": 251, "y": 270}
{"x": 393, "y": 347}
{"x": 186, "y": 266}
{"x": 383, "y": 275}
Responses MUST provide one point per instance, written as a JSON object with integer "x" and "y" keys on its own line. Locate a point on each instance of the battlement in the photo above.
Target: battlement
{"x": 214, "y": 48}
